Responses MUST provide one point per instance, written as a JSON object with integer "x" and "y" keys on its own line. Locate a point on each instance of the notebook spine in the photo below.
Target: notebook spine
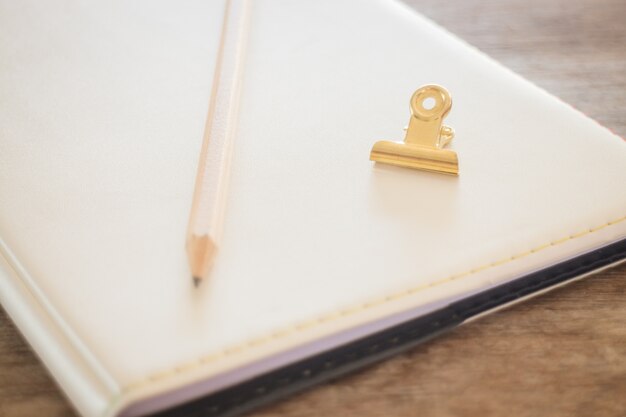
{"x": 73, "y": 365}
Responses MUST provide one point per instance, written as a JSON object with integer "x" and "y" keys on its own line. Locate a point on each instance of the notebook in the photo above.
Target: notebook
{"x": 328, "y": 261}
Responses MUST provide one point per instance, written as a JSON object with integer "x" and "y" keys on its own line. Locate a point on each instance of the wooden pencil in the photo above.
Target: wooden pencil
{"x": 207, "y": 209}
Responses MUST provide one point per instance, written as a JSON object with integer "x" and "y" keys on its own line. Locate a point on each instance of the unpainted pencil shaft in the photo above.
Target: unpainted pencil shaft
{"x": 205, "y": 220}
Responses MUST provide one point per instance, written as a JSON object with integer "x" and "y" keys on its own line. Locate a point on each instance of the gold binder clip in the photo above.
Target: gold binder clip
{"x": 426, "y": 136}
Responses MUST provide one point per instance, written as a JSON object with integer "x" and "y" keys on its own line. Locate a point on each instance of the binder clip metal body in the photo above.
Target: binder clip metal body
{"x": 426, "y": 136}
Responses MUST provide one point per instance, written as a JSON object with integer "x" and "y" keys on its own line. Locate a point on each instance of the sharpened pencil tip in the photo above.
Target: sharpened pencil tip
{"x": 200, "y": 252}
{"x": 196, "y": 281}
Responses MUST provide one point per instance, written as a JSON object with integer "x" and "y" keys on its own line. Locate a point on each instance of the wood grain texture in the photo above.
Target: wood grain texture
{"x": 560, "y": 354}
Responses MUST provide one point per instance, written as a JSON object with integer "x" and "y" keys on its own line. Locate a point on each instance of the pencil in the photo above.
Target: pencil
{"x": 207, "y": 208}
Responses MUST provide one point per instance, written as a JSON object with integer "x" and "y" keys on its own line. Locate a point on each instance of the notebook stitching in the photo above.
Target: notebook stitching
{"x": 275, "y": 383}
{"x": 345, "y": 312}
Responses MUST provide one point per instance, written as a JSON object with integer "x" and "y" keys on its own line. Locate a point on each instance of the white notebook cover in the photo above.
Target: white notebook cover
{"x": 102, "y": 109}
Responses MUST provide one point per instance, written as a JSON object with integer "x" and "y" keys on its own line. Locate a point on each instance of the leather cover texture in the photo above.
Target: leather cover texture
{"x": 101, "y": 121}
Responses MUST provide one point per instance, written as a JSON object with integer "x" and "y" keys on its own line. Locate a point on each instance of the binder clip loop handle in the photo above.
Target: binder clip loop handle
{"x": 430, "y": 102}
{"x": 429, "y": 105}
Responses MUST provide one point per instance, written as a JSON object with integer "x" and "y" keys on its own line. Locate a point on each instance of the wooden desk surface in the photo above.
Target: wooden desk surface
{"x": 560, "y": 354}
